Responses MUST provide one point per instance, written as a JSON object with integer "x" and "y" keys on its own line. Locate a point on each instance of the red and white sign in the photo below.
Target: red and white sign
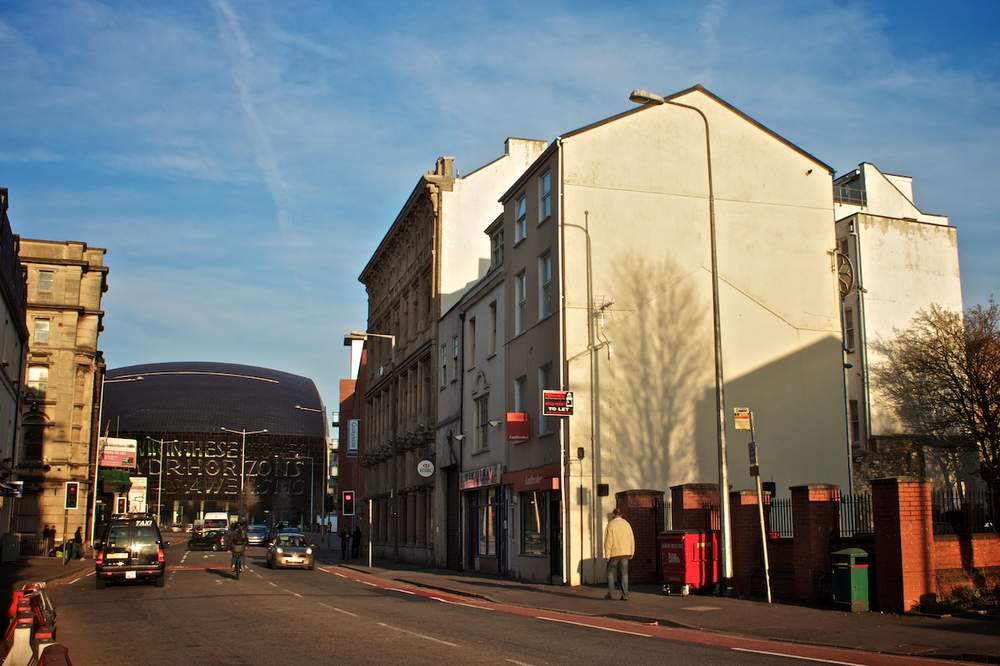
{"x": 537, "y": 478}
{"x": 518, "y": 427}
{"x": 118, "y": 452}
{"x": 557, "y": 403}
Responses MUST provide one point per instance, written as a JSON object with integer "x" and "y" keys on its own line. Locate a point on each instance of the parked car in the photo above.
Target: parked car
{"x": 210, "y": 540}
{"x": 257, "y": 535}
{"x": 291, "y": 549}
{"x": 130, "y": 550}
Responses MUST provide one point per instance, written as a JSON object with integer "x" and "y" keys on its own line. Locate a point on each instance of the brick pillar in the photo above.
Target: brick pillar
{"x": 643, "y": 509}
{"x": 748, "y": 560}
{"x": 815, "y": 522}
{"x": 904, "y": 543}
{"x": 688, "y": 502}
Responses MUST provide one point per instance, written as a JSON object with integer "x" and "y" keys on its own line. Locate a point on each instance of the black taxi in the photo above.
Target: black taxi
{"x": 130, "y": 550}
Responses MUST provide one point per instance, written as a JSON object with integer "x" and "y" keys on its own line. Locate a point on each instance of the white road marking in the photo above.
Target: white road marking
{"x": 272, "y": 584}
{"x": 339, "y": 610}
{"x": 413, "y": 633}
{"x": 364, "y": 582}
{"x": 72, "y": 581}
{"x": 290, "y": 592}
{"x": 340, "y": 574}
{"x": 796, "y": 656}
{"x": 396, "y": 589}
{"x": 91, "y": 573}
{"x": 593, "y": 626}
{"x": 519, "y": 663}
{"x": 459, "y": 603}
{"x": 324, "y": 570}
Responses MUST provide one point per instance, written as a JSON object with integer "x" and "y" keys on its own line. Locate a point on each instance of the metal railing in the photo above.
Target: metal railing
{"x": 849, "y": 195}
{"x": 781, "y": 517}
{"x": 856, "y": 515}
{"x": 962, "y": 513}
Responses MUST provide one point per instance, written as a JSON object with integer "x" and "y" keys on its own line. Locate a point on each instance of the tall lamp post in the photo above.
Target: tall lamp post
{"x": 312, "y": 485}
{"x": 243, "y": 455}
{"x": 159, "y": 483}
{"x": 322, "y": 412}
{"x": 648, "y": 98}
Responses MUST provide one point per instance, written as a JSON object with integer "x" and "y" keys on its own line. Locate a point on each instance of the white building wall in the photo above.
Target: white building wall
{"x": 468, "y": 209}
{"x": 640, "y": 184}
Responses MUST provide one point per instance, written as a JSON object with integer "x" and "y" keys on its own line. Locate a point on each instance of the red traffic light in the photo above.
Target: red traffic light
{"x": 347, "y": 505}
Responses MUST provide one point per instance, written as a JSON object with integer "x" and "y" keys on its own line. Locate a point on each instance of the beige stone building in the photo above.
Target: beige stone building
{"x": 609, "y": 294}
{"x": 66, "y": 281}
{"x": 432, "y": 251}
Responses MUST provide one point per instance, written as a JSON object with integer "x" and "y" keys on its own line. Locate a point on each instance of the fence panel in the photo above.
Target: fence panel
{"x": 856, "y": 515}
{"x": 781, "y": 517}
{"x": 962, "y": 513}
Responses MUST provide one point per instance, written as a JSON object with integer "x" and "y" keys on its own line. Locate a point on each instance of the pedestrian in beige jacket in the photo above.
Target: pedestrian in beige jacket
{"x": 619, "y": 547}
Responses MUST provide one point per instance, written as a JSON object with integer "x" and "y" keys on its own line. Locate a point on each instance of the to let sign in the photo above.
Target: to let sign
{"x": 557, "y": 403}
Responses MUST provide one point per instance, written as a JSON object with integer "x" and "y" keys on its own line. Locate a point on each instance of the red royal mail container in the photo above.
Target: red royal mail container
{"x": 688, "y": 560}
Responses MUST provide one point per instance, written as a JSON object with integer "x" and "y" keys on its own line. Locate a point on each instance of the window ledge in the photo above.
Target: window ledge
{"x": 544, "y": 220}
{"x": 519, "y": 241}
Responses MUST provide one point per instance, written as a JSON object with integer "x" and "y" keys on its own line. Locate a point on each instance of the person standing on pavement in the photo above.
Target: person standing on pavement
{"x": 619, "y": 548}
{"x": 356, "y": 541}
{"x": 48, "y": 536}
{"x": 345, "y": 544}
{"x": 78, "y": 543}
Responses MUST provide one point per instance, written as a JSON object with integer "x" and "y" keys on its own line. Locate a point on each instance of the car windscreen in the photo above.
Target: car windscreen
{"x": 256, "y": 529}
{"x": 216, "y": 524}
{"x": 291, "y": 540}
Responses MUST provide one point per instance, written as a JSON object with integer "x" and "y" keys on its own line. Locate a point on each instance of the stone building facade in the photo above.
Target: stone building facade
{"x": 66, "y": 281}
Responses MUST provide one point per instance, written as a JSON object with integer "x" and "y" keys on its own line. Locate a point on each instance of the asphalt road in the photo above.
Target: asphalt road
{"x": 335, "y": 615}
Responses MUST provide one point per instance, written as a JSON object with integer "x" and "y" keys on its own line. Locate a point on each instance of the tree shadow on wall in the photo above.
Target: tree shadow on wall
{"x": 660, "y": 357}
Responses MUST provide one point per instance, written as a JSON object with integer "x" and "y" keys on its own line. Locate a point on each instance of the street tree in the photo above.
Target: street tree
{"x": 942, "y": 374}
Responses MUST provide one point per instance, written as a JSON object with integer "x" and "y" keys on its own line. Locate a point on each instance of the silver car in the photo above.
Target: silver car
{"x": 291, "y": 550}
{"x": 257, "y": 535}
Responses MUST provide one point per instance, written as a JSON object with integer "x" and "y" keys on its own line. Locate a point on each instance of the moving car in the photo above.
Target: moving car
{"x": 257, "y": 535}
{"x": 291, "y": 550}
{"x": 210, "y": 540}
{"x": 130, "y": 550}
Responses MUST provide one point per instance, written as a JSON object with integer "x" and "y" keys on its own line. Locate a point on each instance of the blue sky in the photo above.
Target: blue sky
{"x": 240, "y": 161}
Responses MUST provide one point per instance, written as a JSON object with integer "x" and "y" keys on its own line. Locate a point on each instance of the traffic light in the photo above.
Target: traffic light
{"x": 72, "y": 495}
{"x": 347, "y": 504}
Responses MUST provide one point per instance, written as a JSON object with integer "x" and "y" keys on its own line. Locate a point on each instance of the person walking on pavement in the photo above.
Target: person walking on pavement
{"x": 78, "y": 543}
{"x": 619, "y": 548}
{"x": 345, "y": 544}
{"x": 356, "y": 541}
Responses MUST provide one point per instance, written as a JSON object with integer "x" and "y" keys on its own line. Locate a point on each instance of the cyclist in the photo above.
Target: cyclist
{"x": 238, "y": 546}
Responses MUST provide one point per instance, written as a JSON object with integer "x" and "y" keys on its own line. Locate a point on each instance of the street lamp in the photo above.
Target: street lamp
{"x": 648, "y": 98}
{"x": 312, "y": 485}
{"x": 243, "y": 454}
{"x": 159, "y": 483}
{"x": 326, "y": 459}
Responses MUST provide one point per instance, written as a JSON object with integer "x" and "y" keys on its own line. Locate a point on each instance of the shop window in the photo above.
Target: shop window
{"x": 533, "y": 519}
{"x": 487, "y": 522}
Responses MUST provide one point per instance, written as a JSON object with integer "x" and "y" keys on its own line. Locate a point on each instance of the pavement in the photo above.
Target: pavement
{"x": 36, "y": 570}
{"x": 974, "y": 638}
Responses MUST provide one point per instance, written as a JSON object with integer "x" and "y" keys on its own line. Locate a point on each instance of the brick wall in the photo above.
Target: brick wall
{"x": 643, "y": 509}
{"x": 781, "y": 554}
{"x": 966, "y": 561}
{"x": 904, "y": 543}
{"x": 748, "y": 558}
{"x": 687, "y": 505}
{"x": 815, "y": 523}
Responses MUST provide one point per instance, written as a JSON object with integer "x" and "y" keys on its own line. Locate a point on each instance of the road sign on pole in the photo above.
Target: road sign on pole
{"x": 742, "y": 418}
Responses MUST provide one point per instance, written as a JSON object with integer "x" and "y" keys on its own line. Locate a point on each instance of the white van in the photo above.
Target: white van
{"x": 215, "y": 520}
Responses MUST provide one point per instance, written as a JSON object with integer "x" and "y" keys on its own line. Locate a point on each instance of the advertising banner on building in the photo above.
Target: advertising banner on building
{"x": 557, "y": 403}
{"x": 484, "y": 476}
{"x": 117, "y": 452}
{"x": 352, "y": 438}
{"x": 137, "y": 494}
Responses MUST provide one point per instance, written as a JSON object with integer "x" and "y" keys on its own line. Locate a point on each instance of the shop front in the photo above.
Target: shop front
{"x": 536, "y": 540}
{"x": 484, "y": 507}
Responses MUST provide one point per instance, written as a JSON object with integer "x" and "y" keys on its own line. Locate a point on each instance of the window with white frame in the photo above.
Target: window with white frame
{"x": 45, "y": 281}
{"x": 454, "y": 357}
{"x": 546, "y": 424}
{"x": 544, "y": 196}
{"x": 545, "y": 285}
{"x": 482, "y": 422}
{"x": 855, "y": 417}
{"x": 849, "y": 329}
{"x": 520, "y": 302}
{"x": 471, "y": 334}
{"x": 493, "y": 328}
{"x": 496, "y": 249}
{"x": 520, "y": 392}
{"x": 520, "y": 219}
{"x": 41, "y": 332}
{"x": 38, "y": 378}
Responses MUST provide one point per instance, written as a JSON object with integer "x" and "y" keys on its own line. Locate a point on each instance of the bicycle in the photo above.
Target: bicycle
{"x": 237, "y": 564}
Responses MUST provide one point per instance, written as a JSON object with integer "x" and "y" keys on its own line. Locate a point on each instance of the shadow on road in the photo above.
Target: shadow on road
{"x": 223, "y": 573}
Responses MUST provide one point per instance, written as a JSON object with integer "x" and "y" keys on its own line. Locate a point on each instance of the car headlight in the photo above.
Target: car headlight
{"x": 279, "y": 550}
{"x": 309, "y": 551}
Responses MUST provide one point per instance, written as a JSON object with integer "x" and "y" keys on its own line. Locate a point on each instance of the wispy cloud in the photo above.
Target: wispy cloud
{"x": 243, "y": 75}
